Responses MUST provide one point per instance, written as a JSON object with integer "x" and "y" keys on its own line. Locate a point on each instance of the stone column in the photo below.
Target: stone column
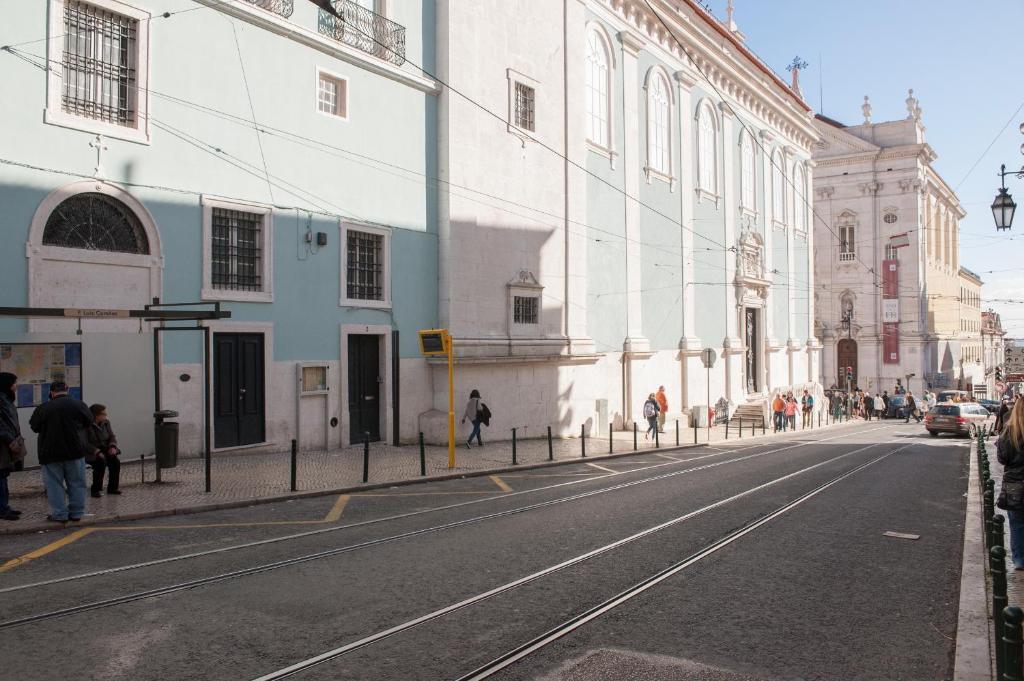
{"x": 792, "y": 339}
{"x": 692, "y": 376}
{"x": 733, "y": 344}
{"x": 631, "y": 46}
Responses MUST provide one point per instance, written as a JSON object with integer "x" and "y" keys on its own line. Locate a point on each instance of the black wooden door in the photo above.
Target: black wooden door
{"x": 752, "y": 341}
{"x": 364, "y": 380}
{"x": 239, "y": 407}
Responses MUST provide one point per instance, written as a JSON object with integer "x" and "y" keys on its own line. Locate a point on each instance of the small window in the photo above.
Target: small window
{"x": 365, "y": 266}
{"x": 890, "y": 218}
{"x": 236, "y": 250}
{"x": 332, "y": 95}
{"x": 525, "y": 103}
{"x": 527, "y": 310}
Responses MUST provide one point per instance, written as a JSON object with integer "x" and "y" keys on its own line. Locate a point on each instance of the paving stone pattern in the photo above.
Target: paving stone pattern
{"x": 239, "y": 476}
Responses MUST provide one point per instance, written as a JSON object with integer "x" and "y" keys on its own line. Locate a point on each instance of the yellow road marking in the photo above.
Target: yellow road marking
{"x": 602, "y": 468}
{"x": 500, "y": 483}
{"x": 335, "y": 512}
{"x": 550, "y": 475}
{"x": 49, "y": 548}
{"x": 420, "y": 494}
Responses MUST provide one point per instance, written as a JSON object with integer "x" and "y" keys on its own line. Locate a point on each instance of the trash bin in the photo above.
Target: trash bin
{"x": 166, "y": 439}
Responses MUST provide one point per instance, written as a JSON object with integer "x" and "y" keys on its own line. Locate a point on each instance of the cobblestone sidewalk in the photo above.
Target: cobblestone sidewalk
{"x": 238, "y": 478}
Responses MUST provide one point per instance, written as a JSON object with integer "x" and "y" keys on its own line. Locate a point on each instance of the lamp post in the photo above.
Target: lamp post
{"x": 1003, "y": 206}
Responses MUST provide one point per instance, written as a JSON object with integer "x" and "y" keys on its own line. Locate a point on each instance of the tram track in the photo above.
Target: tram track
{"x": 297, "y": 560}
{"x": 510, "y": 657}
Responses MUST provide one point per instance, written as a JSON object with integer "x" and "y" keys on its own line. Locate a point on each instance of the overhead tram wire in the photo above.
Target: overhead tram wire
{"x": 754, "y": 137}
{"x": 288, "y": 136}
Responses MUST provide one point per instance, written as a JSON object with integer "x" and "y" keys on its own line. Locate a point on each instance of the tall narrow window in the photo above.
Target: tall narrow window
{"x": 365, "y": 279}
{"x": 778, "y": 189}
{"x": 99, "y": 64}
{"x": 596, "y": 90}
{"x": 706, "y": 170}
{"x": 748, "y": 177}
{"x": 847, "y": 235}
{"x": 800, "y": 203}
{"x": 236, "y": 251}
{"x": 524, "y": 107}
{"x": 659, "y": 151}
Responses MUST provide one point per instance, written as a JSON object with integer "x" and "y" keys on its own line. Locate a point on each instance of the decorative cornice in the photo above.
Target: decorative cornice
{"x": 631, "y": 44}
{"x": 685, "y": 79}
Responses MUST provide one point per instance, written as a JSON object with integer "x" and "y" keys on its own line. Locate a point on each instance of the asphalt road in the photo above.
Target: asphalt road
{"x": 790, "y": 575}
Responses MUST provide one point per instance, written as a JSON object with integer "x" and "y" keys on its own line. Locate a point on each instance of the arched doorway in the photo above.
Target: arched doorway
{"x": 92, "y": 244}
{"x": 846, "y": 356}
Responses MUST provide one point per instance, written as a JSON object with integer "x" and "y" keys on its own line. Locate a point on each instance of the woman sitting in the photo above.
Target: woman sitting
{"x": 103, "y": 453}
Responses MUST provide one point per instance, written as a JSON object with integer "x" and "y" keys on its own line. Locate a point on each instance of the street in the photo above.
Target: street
{"x": 737, "y": 561}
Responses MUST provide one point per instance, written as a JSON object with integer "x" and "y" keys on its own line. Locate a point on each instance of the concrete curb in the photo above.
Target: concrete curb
{"x": 354, "y": 489}
{"x": 974, "y": 635}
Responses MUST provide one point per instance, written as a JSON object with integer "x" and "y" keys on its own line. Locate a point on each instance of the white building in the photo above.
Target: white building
{"x": 888, "y": 282}
{"x": 622, "y": 188}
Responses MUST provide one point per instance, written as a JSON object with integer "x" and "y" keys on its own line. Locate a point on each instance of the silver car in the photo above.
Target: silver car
{"x": 958, "y": 418}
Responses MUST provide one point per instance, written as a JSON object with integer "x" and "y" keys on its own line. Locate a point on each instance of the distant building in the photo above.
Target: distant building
{"x": 972, "y": 366}
{"x": 993, "y": 352}
{"x": 888, "y": 282}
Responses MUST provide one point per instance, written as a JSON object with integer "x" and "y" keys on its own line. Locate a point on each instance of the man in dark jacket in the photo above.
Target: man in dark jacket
{"x": 61, "y": 424}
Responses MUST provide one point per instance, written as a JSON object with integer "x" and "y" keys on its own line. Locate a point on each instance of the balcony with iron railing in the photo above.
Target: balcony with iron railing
{"x": 364, "y": 30}
{"x": 281, "y": 7}
{"x": 847, "y": 257}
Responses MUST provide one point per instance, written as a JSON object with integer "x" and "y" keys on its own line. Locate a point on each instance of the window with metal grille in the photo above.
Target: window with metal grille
{"x": 524, "y": 107}
{"x": 99, "y": 64}
{"x": 365, "y": 279}
{"x": 95, "y": 222}
{"x": 332, "y": 96}
{"x": 236, "y": 252}
{"x": 526, "y": 310}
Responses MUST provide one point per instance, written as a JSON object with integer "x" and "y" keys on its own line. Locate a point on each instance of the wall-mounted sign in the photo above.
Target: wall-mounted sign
{"x": 890, "y": 311}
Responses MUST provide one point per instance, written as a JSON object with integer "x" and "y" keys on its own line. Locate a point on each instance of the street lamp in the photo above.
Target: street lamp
{"x": 1003, "y": 207}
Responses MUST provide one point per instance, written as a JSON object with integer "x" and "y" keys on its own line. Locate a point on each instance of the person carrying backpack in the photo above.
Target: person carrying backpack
{"x": 477, "y": 413}
{"x": 651, "y": 411}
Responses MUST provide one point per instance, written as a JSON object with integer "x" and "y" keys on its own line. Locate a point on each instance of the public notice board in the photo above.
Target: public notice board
{"x": 37, "y": 365}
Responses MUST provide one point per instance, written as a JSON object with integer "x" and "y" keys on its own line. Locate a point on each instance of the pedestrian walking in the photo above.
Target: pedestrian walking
{"x": 778, "y": 412}
{"x": 651, "y": 411}
{"x": 12, "y": 444}
{"x": 103, "y": 453}
{"x": 1010, "y": 453}
{"x": 1002, "y": 415}
{"x": 662, "y": 407}
{"x": 791, "y": 407}
{"x": 61, "y": 425}
{"x": 869, "y": 406}
{"x": 912, "y": 408}
{"x": 807, "y": 406}
{"x": 885, "y": 403}
{"x": 879, "y": 406}
{"x": 477, "y": 413}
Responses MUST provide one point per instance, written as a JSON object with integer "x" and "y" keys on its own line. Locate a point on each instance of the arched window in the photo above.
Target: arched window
{"x": 778, "y": 189}
{"x": 847, "y": 235}
{"x": 95, "y": 222}
{"x": 748, "y": 176}
{"x": 659, "y": 150}
{"x": 800, "y": 202}
{"x": 598, "y": 74}
{"x": 706, "y": 170}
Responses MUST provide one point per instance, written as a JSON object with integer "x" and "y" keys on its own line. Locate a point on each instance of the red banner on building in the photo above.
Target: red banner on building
{"x": 890, "y": 311}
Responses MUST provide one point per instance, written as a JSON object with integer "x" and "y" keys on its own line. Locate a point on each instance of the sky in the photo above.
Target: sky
{"x": 960, "y": 59}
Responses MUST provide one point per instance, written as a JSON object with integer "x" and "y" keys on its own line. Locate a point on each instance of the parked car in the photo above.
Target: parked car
{"x": 953, "y": 396}
{"x": 897, "y": 407}
{"x": 959, "y": 418}
{"x": 991, "y": 405}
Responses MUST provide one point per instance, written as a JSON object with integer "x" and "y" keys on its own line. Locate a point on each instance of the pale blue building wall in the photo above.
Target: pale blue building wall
{"x": 378, "y": 166}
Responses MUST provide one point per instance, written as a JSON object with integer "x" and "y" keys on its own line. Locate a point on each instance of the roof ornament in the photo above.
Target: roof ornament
{"x": 913, "y": 106}
{"x": 866, "y": 110}
{"x": 795, "y": 68}
{"x": 730, "y": 21}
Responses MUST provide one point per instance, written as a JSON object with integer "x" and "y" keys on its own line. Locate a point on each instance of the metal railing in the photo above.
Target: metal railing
{"x": 364, "y": 30}
{"x": 281, "y": 7}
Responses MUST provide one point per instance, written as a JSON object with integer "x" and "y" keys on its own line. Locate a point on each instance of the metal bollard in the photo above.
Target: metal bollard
{"x": 611, "y": 439}
{"x": 762, "y": 425}
{"x": 1013, "y": 669}
{"x": 583, "y": 440}
{"x": 695, "y": 431}
{"x": 677, "y": 432}
{"x": 366, "y": 456}
{"x": 423, "y": 457}
{"x": 551, "y": 449}
{"x": 727, "y": 429}
{"x": 752, "y": 433}
{"x": 142, "y": 467}
{"x": 634, "y": 436}
{"x": 987, "y": 505}
{"x": 741, "y": 429}
{"x": 295, "y": 450}
{"x": 997, "y": 565}
{"x": 657, "y": 438}
{"x": 998, "y": 537}
{"x": 514, "y": 461}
